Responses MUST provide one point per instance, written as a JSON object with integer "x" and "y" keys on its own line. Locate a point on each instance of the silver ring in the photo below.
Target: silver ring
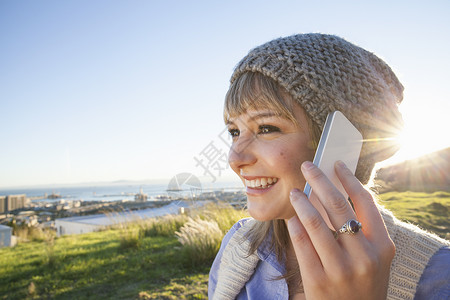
{"x": 352, "y": 226}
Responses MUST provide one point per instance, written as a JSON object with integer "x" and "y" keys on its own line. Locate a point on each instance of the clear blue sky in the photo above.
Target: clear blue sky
{"x": 111, "y": 90}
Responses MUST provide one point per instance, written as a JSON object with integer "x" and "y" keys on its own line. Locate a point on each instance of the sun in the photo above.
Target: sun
{"x": 420, "y": 135}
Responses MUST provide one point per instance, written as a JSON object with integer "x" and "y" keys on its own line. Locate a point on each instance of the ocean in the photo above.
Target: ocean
{"x": 112, "y": 192}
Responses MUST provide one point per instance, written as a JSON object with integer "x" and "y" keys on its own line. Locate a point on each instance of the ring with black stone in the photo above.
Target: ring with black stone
{"x": 352, "y": 226}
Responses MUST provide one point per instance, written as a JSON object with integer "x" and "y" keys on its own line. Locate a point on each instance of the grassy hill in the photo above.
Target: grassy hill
{"x": 144, "y": 260}
{"x": 147, "y": 261}
{"x": 429, "y": 211}
{"x": 427, "y": 173}
{"x": 95, "y": 266}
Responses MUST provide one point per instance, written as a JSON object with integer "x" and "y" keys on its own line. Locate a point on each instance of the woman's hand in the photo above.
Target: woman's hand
{"x": 354, "y": 266}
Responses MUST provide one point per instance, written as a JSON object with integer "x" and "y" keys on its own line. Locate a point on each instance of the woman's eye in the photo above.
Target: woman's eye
{"x": 265, "y": 129}
{"x": 233, "y": 132}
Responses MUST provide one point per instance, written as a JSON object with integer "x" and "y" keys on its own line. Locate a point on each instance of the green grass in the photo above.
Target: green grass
{"x": 146, "y": 261}
{"x": 143, "y": 260}
{"x": 95, "y": 266}
{"x": 429, "y": 211}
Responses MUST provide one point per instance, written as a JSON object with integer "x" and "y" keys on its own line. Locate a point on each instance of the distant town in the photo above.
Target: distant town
{"x": 78, "y": 216}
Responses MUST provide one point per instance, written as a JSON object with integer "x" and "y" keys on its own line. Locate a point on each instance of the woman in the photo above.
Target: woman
{"x": 279, "y": 97}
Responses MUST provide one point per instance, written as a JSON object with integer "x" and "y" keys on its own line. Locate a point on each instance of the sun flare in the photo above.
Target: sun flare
{"x": 419, "y": 136}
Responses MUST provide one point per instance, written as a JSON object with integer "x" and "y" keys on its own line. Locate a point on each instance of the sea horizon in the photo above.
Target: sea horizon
{"x": 109, "y": 191}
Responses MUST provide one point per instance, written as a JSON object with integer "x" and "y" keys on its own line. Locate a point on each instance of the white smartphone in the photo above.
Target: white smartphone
{"x": 340, "y": 140}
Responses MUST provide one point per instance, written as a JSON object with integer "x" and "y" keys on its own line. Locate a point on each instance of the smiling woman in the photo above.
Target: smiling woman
{"x": 279, "y": 97}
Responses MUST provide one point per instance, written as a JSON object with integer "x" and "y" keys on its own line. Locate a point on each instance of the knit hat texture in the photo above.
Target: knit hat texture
{"x": 324, "y": 73}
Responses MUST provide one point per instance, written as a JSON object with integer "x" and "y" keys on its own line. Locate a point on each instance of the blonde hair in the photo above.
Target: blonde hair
{"x": 254, "y": 90}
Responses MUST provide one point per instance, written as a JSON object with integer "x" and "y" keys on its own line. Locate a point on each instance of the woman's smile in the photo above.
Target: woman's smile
{"x": 257, "y": 185}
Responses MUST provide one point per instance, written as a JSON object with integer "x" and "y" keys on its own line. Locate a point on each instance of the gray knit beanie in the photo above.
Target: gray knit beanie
{"x": 324, "y": 73}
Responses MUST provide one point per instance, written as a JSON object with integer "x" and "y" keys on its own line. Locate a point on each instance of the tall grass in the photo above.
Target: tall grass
{"x": 201, "y": 241}
{"x": 130, "y": 237}
{"x": 164, "y": 226}
{"x": 49, "y": 239}
{"x": 26, "y": 233}
{"x": 202, "y": 234}
{"x": 130, "y": 233}
{"x": 223, "y": 213}
{"x": 192, "y": 230}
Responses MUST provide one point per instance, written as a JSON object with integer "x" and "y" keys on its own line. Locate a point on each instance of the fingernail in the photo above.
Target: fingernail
{"x": 294, "y": 193}
{"x": 341, "y": 164}
{"x": 307, "y": 165}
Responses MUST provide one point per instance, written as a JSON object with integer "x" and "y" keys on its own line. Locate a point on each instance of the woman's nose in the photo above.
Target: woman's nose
{"x": 242, "y": 153}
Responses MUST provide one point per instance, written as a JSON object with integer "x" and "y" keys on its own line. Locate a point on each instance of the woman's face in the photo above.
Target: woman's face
{"x": 267, "y": 153}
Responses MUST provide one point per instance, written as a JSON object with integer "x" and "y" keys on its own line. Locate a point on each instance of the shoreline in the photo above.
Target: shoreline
{"x": 44, "y": 212}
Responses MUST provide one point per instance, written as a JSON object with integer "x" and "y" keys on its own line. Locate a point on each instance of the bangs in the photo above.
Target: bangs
{"x": 252, "y": 90}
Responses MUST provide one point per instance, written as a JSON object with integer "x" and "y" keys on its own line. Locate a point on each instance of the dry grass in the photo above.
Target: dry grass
{"x": 222, "y": 213}
{"x": 203, "y": 232}
{"x": 201, "y": 241}
{"x": 31, "y": 233}
{"x": 164, "y": 226}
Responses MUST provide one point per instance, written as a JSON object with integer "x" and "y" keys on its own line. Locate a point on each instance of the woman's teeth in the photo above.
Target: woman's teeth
{"x": 261, "y": 183}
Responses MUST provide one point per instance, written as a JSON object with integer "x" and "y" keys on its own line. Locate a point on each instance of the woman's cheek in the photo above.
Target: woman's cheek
{"x": 293, "y": 161}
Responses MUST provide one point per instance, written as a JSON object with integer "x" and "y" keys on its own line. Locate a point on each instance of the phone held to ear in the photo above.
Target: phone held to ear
{"x": 340, "y": 140}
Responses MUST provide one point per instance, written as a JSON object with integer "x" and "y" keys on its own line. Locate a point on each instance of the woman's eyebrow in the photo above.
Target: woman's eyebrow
{"x": 256, "y": 117}
{"x": 262, "y": 115}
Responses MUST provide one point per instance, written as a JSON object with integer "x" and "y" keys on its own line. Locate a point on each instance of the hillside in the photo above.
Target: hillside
{"x": 427, "y": 173}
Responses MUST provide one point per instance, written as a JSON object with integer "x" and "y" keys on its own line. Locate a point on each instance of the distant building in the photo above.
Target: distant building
{"x": 6, "y": 239}
{"x": 2, "y": 204}
{"x": 141, "y": 197}
{"x": 54, "y": 196}
{"x": 15, "y": 202}
{"x": 12, "y": 202}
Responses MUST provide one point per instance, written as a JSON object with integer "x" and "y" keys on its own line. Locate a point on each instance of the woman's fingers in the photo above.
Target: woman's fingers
{"x": 336, "y": 206}
{"x": 314, "y": 227}
{"x": 365, "y": 208}
{"x": 351, "y": 266}
{"x": 308, "y": 260}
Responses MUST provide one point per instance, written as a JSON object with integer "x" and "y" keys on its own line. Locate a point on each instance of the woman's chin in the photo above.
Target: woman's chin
{"x": 261, "y": 213}
{"x": 265, "y": 213}
{"x": 260, "y": 218}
